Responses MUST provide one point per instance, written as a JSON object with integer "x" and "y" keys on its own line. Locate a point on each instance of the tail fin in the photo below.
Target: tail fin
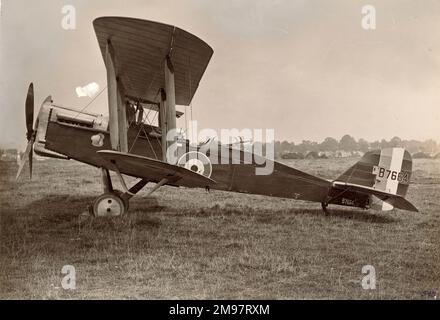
{"x": 386, "y": 171}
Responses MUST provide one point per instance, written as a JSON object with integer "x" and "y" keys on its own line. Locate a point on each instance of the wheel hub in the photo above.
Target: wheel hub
{"x": 108, "y": 205}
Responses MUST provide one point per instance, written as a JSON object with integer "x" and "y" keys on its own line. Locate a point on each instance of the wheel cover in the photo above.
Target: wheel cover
{"x": 108, "y": 205}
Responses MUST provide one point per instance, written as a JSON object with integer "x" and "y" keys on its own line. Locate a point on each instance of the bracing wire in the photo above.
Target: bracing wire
{"x": 139, "y": 131}
{"x": 90, "y": 102}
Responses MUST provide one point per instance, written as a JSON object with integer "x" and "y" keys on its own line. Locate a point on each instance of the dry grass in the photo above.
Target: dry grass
{"x": 188, "y": 244}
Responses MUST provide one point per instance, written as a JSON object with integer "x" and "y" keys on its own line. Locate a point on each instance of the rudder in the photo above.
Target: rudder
{"x": 386, "y": 170}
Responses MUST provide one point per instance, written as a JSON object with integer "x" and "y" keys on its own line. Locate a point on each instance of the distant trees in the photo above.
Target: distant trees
{"x": 329, "y": 144}
{"x": 286, "y": 146}
{"x": 363, "y": 145}
{"x": 349, "y": 144}
{"x": 395, "y": 142}
{"x": 383, "y": 144}
{"x": 307, "y": 146}
{"x": 429, "y": 146}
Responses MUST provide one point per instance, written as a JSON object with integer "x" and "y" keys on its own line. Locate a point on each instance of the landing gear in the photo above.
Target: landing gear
{"x": 109, "y": 205}
{"x": 324, "y": 206}
{"x": 113, "y": 203}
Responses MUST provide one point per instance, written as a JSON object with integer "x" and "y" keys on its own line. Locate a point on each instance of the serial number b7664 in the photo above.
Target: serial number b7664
{"x": 402, "y": 176}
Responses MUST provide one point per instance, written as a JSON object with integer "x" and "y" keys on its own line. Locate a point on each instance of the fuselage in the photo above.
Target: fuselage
{"x": 70, "y": 134}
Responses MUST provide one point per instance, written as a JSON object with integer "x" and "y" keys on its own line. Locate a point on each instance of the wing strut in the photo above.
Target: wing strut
{"x": 116, "y": 103}
{"x": 135, "y": 189}
{"x": 121, "y": 179}
{"x": 158, "y": 185}
{"x": 167, "y": 112}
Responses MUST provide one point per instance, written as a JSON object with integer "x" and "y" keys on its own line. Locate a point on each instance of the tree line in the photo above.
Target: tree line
{"x": 349, "y": 144}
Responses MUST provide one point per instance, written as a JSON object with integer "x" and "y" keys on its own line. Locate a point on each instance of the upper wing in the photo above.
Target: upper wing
{"x": 140, "y": 49}
{"x": 154, "y": 170}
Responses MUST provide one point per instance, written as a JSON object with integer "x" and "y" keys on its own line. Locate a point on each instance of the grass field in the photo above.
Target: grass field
{"x": 189, "y": 244}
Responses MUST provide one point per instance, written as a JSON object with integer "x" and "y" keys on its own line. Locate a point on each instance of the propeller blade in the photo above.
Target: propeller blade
{"x": 31, "y": 154}
{"x": 27, "y": 155}
{"x": 29, "y": 110}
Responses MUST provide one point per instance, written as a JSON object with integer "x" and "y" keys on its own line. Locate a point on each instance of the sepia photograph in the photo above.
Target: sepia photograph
{"x": 238, "y": 152}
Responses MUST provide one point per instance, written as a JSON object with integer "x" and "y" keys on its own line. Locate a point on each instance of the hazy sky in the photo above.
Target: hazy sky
{"x": 305, "y": 68}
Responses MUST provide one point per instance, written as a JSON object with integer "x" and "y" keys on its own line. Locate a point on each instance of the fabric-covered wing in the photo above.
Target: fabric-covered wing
{"x": 140, "y": 49}
{"x": 153, "y": 170}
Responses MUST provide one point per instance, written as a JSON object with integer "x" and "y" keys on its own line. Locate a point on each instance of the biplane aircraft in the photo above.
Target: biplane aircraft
{"x": 154, "y": 67}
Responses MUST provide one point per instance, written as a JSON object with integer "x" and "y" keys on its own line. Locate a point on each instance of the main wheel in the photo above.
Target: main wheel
{"x": 109, "y": 205}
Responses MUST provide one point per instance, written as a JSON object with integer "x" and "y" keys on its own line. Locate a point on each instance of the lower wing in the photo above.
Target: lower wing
{"x": 154, "y": 170}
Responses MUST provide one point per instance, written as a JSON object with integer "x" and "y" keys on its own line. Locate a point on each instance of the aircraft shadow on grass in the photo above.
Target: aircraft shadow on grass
{"x": 355, "y": 215}
{"x": 57, "y": 209}
{"x": 67, "y": 207}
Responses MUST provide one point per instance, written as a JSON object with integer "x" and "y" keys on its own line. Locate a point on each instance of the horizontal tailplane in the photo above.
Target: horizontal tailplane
{"x": 380, "y": 180}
